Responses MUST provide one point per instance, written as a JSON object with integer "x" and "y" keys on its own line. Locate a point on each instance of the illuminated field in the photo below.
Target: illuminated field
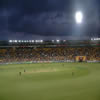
{"x": 55, "y": 81}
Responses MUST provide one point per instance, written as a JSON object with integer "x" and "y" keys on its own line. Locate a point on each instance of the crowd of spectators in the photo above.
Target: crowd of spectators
{"x": 48, "y": 54}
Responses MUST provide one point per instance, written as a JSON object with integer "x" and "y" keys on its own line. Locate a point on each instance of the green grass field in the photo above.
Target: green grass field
{"x": 55, "y": 81}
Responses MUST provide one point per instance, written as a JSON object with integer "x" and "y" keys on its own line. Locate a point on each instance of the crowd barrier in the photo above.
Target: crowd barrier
{"x": 32, "y": 62}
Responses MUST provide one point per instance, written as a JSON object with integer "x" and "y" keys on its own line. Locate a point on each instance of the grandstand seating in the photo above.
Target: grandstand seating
{"x": 20, "y": 54}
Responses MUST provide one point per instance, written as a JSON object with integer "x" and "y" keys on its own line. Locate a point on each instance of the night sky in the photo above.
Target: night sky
{"x": 48, "y": 19}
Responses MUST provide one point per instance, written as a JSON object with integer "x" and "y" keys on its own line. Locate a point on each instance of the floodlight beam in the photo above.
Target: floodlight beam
{"x": 79, "y": 17}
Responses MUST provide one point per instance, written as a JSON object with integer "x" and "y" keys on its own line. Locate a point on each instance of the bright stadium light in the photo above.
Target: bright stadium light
{"x": 25, "y": 41}
{"x": 19, "y": 41}
{"x": 41, "y": 41}
{"x": 33, "y": 41}
{"x": 36, "y": 41}
{"x": 10, "y": 41}
{"x": 15, "y": 41}
{"x": 78, "y": 17}
{"x": 58, "y": 41}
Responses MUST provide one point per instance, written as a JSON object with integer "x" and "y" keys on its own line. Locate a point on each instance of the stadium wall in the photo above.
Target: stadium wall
{"x": 33, "y": 62}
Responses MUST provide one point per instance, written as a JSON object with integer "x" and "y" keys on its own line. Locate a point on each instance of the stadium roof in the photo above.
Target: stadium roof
{"x": 41, "y": 43}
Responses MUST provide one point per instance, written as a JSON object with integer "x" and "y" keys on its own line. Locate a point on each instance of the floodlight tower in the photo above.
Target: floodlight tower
{"x": 79, "y": 17}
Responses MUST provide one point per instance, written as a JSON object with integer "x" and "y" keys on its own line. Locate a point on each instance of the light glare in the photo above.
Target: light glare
{"x": 79, "y": 17}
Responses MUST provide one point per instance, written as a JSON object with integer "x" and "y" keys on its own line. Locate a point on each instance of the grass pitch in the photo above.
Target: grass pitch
{"x": 55, "y": 81}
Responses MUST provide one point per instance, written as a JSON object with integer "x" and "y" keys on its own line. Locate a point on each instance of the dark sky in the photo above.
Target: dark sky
{"x": 48, "y": 19}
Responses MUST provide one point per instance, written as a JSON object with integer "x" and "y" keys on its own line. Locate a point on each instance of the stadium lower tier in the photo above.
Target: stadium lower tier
{"x": 20, "y": 54}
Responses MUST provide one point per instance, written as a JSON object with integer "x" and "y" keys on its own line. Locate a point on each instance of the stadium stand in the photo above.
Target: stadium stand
{"x": 48, "y": 54}
{"x": 48, "y": 51}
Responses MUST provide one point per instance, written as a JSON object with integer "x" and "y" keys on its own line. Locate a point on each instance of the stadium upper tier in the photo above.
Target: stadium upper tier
{"x": 52, "y": 43}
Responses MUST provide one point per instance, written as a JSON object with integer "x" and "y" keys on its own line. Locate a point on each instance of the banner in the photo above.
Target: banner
{"x": 80, "y": 58}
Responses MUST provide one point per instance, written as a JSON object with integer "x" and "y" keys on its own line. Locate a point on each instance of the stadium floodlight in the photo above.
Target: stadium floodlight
{"x": 58, "y": 40}
{"x": 10, "y": 41}
{"x": 95, "y": 39}
{"x": 19, "y": 41}
{"x": 79, "y": 17}
{"x": 25, "y": 41}
{"x": 36, "y": 41}
{"x": 15, "y": 41}
{"x": 41, "y": 41}
{"x": 32, "y": 40}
